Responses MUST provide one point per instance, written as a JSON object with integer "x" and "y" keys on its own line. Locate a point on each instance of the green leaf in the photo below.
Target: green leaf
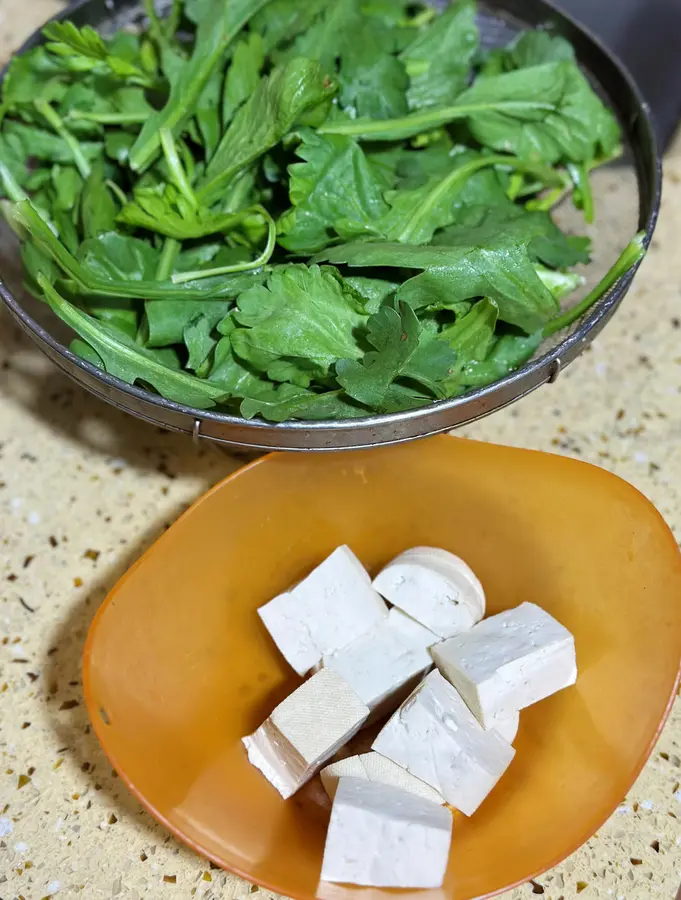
{"x": 232, "y": 375}
{"x": 439, "y": 60}
{"x": 30, "y": 76}
{"x": 486, "y": 261}
{"x": 115, "y": 256}
{"x": 84, "y": 41}
{"x": 336, "y": 190}
{"x": 281, "y": 100}
{"x": 199, "y": 341}
{"x": 214, "y": 34}
{"x": 576, "y": 126}
{"x": 415, "y": 215}
{"x": 208, "y": 109}
{"x": 278, "y": 404}
{"x": 67, "y": 184}
{"x": 510, "y": 352}
{"x": 98, "y": 208}
{"x": 167, "y": 319}
{"x": 561, "y": 250}
{"x": 243, "y": 75}
{"x": 338, "y": 25}
{"x": 373, "y": 291}
{"x": 547, "y": 113}
{"x": 117, "y": 145}
{"x": 302, "y": 313}
{"x": 168, "y": 212}
{"x": 471, "y": 337}
{"x": 14, "y": 158}
{"x": 372, "y": 84}
{"x": 280, "y": 21}
{"x": 534, "y": 48}
{"x": 559, "y": 283}
{"x": 82, "y": 50}
{"x": 41, "y": 144}
{"x": 124, "y": 359}
{"x": 400, "y": 351}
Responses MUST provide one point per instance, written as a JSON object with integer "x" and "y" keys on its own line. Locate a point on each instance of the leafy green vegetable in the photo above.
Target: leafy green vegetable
{"x": 487, "y": 261}
{"x": 401, "y": 351}
{"x": 315, "y": 210}
{"x": 122, "y": 357}
{"x": 439, "y": 59}
{"x": 336, "y": 190}
{"x": 303, "y": 313}
{"x": 218, "y": 26}
{"x": 281, "y": 100}
{"x": 243, "y": 75}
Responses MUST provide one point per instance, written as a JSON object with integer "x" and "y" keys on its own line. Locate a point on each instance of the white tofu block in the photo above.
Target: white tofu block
{"x": 443, "y": 595}
{"x": 327, "y": 610}
{"x": 509, "y": 661}
{"x": 374, "y": 767}
{"x": 306, "y": 730}
{"x": 436, "y": 738}
{"x": 507, "y": 726}
{"x": 381, "y": 836}
{"x": 385, "y": 662}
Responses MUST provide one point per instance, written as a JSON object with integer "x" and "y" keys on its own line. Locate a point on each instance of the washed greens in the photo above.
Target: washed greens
{"x": 314, "y": 210}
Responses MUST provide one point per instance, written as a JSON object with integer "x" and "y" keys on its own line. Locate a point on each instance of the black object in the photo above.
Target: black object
{"x": 646, "y": 36}
{"x": 499, "y": 20}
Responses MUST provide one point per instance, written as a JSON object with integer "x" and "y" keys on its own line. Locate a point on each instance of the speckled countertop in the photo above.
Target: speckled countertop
{"x": 84, "y": 489}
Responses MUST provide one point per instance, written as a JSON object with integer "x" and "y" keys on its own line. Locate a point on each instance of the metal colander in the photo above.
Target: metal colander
{"x": 637, "y": 176}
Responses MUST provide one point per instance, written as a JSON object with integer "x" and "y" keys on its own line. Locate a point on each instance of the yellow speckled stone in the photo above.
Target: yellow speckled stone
{"x": 84, "y": 489}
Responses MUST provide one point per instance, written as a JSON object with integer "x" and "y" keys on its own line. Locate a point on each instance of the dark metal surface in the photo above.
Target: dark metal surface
{"x": 499, "y": 20}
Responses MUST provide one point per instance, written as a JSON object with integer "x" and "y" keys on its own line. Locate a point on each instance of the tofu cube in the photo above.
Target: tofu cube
{"x": 327, "y": 610}
{"x": 436, "y": 738}
{"x": 306, "y": 730}
{"x": 385, "y": 663}
{"x": 509, "y": 661}
{"x": 507, "y": 725}
{"x": 381, "y": 836}
{"x": 374, "y": 767}
{"x": 441, "y": 593}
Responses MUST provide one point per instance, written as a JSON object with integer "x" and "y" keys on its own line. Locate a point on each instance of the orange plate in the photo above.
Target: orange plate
{"x": 178, "y": 665}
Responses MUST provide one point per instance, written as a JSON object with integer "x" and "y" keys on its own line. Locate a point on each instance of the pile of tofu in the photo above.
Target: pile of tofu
{"x": 368, "y": 651}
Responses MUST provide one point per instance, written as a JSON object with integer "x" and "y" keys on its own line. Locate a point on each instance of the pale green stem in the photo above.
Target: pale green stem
{"x": 177, "y": 171}
{"x": 263, "y": 259}
{"x": 107, "y": 118}
{"x": 56, "y": 122}
{"x": 169, "y": 254}
{"x": 11, "y": 186}
{"x": 632, "y": 254}
{"x": 407, "y": 126}
{"x": 118, "y": 192}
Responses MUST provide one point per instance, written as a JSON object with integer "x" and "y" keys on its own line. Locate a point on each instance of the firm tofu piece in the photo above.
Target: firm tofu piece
{"x": 386, "y": 662}
{"x": 442, "y": 594}
{"x": 374, "y": 767}
{"x": 507, "y": 726}
{"x": 381, "y": 836}
{"x": 306, "y": 730}
{"x": 509, "y": 661}
{"x": 436, "y": 738}
{"x": 327, "y": 610}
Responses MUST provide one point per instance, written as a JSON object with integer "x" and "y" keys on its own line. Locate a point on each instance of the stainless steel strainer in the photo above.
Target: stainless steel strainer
{"x": 637, "y": 179}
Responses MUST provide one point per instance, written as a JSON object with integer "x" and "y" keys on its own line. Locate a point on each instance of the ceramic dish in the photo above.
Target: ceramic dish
{"x": 178, "y": 666}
